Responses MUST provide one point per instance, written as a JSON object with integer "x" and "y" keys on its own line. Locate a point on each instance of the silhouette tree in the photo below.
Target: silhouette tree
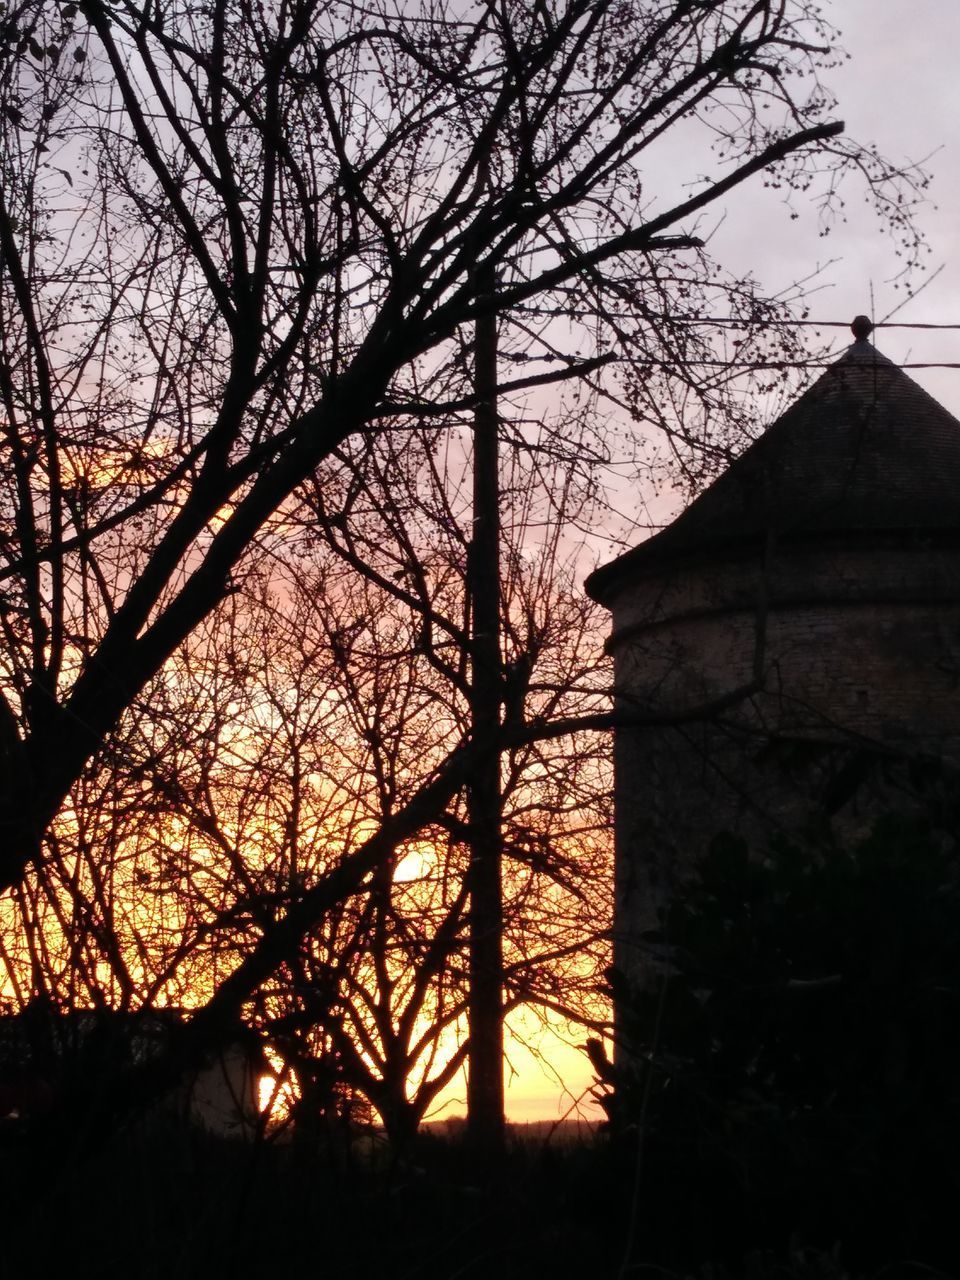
{"x": 233, "y": 239}
{"x": 300, "y": 717}
{"x": 240, "y": 250}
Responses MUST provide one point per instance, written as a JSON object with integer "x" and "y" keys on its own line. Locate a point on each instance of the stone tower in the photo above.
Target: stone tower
{"x": 796, "y": 625}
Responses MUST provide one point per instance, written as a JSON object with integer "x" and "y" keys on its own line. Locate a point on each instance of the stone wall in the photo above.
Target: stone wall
{"x": 849, "y": 652}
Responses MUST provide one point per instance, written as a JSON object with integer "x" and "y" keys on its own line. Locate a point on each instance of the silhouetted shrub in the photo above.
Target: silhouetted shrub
{"x": 797, "y": 1068}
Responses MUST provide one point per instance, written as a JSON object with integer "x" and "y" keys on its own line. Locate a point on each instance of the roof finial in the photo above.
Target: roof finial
{"x": 862, "y": 328}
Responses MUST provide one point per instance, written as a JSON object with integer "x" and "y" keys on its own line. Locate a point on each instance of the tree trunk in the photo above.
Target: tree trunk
{"x": 485, "y": 1118}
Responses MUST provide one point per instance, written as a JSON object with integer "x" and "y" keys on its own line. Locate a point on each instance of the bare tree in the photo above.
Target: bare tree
{"x": 233, "y": 238}
{"x": 239, "y": 252}
{"x": 299, "y": 717}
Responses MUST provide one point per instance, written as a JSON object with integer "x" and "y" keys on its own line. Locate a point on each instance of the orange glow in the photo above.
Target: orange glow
{"x": 155, "y": 861}
{"x": 547, "y": 1076}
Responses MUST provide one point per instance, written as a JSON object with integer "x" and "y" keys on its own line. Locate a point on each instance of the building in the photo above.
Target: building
{"x": 44, "y": 1051}
{"x": 792, "y": 637}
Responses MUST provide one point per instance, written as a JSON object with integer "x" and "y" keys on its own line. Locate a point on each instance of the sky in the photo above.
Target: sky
{"x": 901, "y": 90}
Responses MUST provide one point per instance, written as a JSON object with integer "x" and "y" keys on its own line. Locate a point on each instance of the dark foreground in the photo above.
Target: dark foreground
{"x": 174, "y": 1204}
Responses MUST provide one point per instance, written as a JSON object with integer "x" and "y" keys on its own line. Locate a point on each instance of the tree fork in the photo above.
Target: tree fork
{"x": 485, "y": 1105}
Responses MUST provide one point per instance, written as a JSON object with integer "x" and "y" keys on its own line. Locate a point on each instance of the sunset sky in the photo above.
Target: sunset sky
{"x": 270, "y": 670}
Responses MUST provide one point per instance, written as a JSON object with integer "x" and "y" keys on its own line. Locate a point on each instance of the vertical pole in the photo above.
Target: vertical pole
{"x": 485, "y": 1108}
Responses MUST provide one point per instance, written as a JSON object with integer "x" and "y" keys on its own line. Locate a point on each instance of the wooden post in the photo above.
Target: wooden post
{"x": 485, "y": 1106}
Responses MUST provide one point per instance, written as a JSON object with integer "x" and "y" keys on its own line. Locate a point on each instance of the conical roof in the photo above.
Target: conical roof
{"x": 864, "y": 450}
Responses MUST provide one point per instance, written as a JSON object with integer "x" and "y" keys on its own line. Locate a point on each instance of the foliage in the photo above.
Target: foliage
{"x": 798, "y": 1069}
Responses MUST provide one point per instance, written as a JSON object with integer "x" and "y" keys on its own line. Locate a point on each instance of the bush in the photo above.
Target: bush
{"x": 797, "y": 1070}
